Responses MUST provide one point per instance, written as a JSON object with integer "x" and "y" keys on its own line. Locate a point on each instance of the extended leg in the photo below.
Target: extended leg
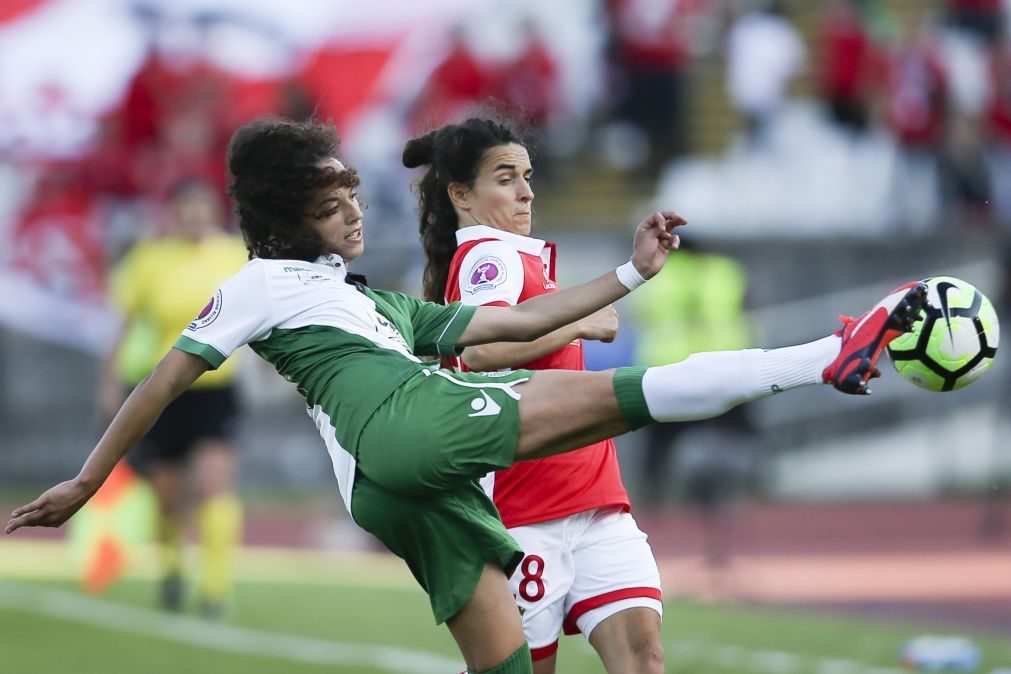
{"x": 561, "y": 411}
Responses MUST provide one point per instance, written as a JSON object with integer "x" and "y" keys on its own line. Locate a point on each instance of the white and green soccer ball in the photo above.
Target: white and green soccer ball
{"x": 955, "y": 342}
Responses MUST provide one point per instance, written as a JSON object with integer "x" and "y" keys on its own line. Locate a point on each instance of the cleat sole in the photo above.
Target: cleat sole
{"x": 902, "y": 318}
{"x": 909, "y": 309}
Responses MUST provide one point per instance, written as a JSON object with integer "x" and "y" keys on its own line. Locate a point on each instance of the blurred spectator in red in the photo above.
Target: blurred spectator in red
{"x": 295, "y": 102}
{"x": 192, "y": 132}
{"x": 764, "y": 52}
{"x": 171, "y": 123}
{"x": 651, "y": 50}
{"x": 847, "y": 61}
{"x": 998, "y": 111}
{"x": 190, "y": 143}
{"x": 999, "y": 99}
{"x": 143, "y": 107}
{"x": 106, "y": 168}
{"x": 131, "y": 131}
{"x": 529, "y": 82}
{"x": 459, "y": 82}
{"x": 916, "y": 90}
{"x": 915, "y": 109}
{"x": 57, "y": 240}
{"x": 529, "y": 86}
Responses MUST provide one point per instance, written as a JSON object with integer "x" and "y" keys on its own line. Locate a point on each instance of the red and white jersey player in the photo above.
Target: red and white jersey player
{"x": 586, "y": 559}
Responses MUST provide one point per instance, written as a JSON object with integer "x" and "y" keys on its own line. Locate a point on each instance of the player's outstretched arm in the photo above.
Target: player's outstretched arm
{"x": 599, "y": 326}
{"x": 529, "y": 320}
{"x": 173, "y": 375}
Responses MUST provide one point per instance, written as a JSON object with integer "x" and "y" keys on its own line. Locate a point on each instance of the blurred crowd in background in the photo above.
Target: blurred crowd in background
{"x": 900, "y": 110}
{"x": 757, "y": 119}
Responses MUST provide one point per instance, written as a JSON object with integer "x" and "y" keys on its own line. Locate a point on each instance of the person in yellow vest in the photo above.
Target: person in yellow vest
{"x": 158, "y": 286}
{"x": 697, "y": 302}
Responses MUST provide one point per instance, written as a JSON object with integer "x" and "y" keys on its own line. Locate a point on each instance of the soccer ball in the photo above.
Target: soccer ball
{"x": 955, "y": 342}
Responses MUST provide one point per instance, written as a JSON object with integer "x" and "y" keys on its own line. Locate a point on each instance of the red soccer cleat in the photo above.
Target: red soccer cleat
{"x": 865, "y": 337}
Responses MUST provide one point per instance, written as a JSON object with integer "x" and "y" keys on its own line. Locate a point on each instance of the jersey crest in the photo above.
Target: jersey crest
{"x": 208, "y": 314}
{"x": 487, "y": 273}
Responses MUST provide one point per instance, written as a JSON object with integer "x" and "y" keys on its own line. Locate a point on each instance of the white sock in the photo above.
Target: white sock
{"x": 706, "y": 385}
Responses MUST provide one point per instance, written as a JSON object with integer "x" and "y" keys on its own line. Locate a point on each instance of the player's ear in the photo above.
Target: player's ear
{"x": 459, "y": 194}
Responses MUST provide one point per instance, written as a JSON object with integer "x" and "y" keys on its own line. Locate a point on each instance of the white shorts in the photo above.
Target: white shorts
{"x": 580, "y": 570}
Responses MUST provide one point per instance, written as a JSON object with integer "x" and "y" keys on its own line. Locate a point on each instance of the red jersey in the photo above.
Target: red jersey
{"x": 497, "y": 268}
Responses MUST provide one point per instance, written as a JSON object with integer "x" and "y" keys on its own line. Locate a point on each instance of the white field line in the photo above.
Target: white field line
{"x": 55, "y": 560}
{"x": 742, "y": 658}
{"x": 72, "y": 607}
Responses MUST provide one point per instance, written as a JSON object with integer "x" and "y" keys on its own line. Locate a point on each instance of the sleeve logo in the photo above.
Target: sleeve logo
{"x": 487, "y": 273}
{"x": 208, "y": 314}
{"x": 387, "y": 328}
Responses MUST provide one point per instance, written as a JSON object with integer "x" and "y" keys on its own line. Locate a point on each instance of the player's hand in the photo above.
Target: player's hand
{"x": 654, "y": 239}
{"x": 51, "y": 509}
{"x": 600, "y": 326}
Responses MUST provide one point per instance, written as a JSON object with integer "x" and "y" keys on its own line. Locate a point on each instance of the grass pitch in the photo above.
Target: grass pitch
{"x": 310, "y": 612}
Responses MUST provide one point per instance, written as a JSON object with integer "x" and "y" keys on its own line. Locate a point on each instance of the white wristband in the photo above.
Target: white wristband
{"x": 629, "y": 276}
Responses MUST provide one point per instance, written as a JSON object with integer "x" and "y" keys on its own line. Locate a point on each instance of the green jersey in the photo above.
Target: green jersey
{"x": 346, "y": 347}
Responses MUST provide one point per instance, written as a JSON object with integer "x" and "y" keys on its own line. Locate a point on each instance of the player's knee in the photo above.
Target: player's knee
{"x": 647, "y": 654}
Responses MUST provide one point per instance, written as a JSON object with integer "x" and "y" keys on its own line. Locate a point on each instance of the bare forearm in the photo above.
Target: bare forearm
{"x": 175, "y": 372}
{"x": 540, "y": 315}
{"x": 544, "y": 313}
{"x": 512, "y": 354}
{"x": 537, "y": 316}
{"x": 172, "y": 376}
{"x": 133, "y": 421}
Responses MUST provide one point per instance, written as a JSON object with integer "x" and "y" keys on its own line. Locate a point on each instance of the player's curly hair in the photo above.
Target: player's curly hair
{"x": 453, "y": 154}
{"x": 276, "y": 171}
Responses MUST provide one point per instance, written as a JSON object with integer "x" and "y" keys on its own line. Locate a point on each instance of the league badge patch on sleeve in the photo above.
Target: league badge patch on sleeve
{"x": 208, "y": 314}
{"x": 487, "y": 273}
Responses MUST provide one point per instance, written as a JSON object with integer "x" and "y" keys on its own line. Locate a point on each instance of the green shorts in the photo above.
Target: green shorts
{"x": 419, "y": 458}
{"x": 446, "y": 538}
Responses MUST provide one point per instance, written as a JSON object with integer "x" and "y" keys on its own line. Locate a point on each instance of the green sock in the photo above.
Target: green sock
{"x": 631, "y": 401}
{"x": 517, "y": 663}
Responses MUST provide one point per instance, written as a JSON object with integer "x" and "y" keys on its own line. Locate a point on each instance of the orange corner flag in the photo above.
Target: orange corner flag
{"x": 119, "y": 516}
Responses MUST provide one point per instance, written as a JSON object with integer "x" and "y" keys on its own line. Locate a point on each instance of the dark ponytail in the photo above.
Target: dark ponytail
{"x": 453, "y": 154}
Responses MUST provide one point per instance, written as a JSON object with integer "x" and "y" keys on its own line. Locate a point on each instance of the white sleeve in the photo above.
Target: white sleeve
{"x": 238, "y": 313}
{"x": 491, "y": 271}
